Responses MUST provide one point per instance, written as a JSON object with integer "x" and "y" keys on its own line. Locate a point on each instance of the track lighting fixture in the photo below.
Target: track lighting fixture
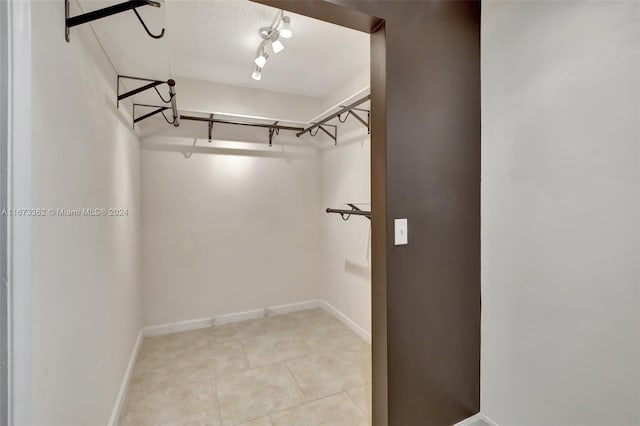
{"x": 276, "y": 44}
{"x": 285, "y": 31}
{"x": 257, "y": 74}
{"x": 261, "y": 59}
{"x": 281, "y": 27}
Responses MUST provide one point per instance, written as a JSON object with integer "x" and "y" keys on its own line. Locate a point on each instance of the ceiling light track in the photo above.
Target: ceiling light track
{"x": 280, "y": 28}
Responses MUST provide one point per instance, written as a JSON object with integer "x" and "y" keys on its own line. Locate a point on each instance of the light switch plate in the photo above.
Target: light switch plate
{"x": 401, "y": 232}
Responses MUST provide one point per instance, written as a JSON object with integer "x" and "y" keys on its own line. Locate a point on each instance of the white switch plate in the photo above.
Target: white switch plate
{"x": 401, "y": 232}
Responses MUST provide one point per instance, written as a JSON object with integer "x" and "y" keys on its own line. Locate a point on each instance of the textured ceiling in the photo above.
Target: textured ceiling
{"x": 217, "y": 40}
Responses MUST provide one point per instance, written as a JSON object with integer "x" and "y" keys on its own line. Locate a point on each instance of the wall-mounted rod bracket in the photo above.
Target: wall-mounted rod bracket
{"x": 337, "y": 114}
{"x": 352, "y": 112}
{"x": 333, "y": 135}
{"x": 346, "y": 214}
{"x": 210, "y": 127}
{"x": 272, "y": 131}
{"x": 151, "y": 84}
{"x": 72, "y": 21}
{"x": 158, "y": 109}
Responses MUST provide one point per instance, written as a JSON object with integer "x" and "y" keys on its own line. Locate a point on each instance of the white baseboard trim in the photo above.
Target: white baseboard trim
{"x": 122, "y": 393}
{"x": 489, "y": 421}
{"x": 157, "y": 330}
{"x": 176, "y": 327}
{"x": 354, "y": 326}
{"x": 475, "y": 419}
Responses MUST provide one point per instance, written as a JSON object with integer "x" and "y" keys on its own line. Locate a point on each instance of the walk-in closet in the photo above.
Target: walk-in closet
{"x": 253, "y": 125}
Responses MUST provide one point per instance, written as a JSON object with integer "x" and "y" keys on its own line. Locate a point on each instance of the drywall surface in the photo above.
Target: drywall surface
{"x": 86, "y": 290}
{"x": 346, "y": 245}
{"x": 349, "y": 91}
{"x": 560, "y": 132}
{"x": 228, "y": 226}
{"x": 211, "y": 97}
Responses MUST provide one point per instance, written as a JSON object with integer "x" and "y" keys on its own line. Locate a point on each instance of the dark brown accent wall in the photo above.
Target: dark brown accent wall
{"x": 425, "y": 167}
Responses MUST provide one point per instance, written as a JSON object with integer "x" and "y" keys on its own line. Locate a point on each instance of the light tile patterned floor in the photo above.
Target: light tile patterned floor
{"x": 299, "y": 369}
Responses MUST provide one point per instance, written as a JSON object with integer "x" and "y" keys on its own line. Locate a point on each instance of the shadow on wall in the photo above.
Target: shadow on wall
{"x": 358, "y": 136}
{"x": 276, "y": 151}
{"x": 359, "y": 270}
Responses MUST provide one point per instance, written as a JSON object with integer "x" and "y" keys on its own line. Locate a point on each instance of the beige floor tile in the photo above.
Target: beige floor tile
{"x": 152, "y": 379}
{"x": 274, "y": 347}
{"x": 264, "y": 421}
{"x": 334, "y": 410}
{"x": 237, "y": 330}
{"x": 362, "y": 397}
{"x": 212, "y": 360}
{"x": 256, "y": 393}
{"x": 322, "y": 332}
{"x": 174, "y": 373}
{"x": 192, "y": 404}
{"x": 199, "y": 364}
{"x": 160, "y": 351}
{"x": 328, "y": 373}
{"x": 281, "y": 323}
{"x": 175, "y": 342}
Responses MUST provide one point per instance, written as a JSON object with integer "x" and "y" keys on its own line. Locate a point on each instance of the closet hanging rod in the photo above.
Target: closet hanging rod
{"x": 241, "y": 123}
{"x": 334, "y": 115}
{"x": 347, "y": 213}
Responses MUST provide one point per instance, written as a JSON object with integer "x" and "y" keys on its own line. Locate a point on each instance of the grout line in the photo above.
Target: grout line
{"x": 309, "y": 402}
{"x": 306, "y": 398}
{"x": 348, "y": 392}
{"x": 215, "y": 383}
{"x": 251, "y": 367}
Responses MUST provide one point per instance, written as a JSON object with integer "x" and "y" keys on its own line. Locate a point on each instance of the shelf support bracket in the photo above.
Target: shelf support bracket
{"x": 158, "y": 110}
{"x": 72, "y": 21}
{"x": 210, "y": 127}
{"x": 333, "y": 135}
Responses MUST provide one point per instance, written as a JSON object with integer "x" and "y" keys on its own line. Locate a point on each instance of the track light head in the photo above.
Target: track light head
{"x": 257, "y": 74}
{"x": 285, "y": 31}
{"x": 276, "y": 44}
{"x": 261, "y": 59}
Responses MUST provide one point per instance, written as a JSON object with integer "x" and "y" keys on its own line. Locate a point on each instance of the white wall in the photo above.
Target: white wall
{"x": 86, "y": 293}
{"x": 227, "y": 226}
{"x": 560, "y": 284}
{"x": 346, "y": 178}
{"x": 218, "y": 98}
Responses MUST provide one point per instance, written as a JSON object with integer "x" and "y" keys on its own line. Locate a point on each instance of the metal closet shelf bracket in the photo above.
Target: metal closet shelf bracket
{"x": 72, "y": 21}
{"x": 151, "y": 84}
{"x": 349, "y": 110}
